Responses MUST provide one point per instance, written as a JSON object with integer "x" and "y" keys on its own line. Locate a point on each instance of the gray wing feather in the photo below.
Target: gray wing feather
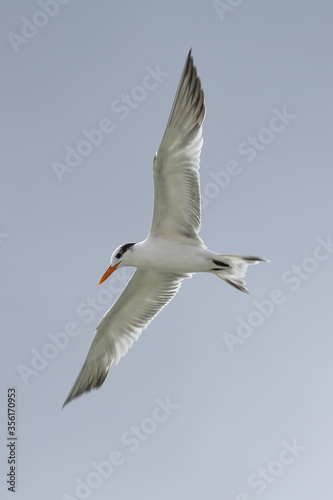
{"x": 177, "y": 210}
{"x": 143, "y": 298}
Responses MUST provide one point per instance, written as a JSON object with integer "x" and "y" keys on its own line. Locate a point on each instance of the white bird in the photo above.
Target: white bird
{"x": 173, "y": 249}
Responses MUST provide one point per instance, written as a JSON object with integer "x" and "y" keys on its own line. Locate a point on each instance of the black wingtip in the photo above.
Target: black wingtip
{"x": 70, "y": 398}
{"x": 189, "y": 57}
{"x": 65, "y": 403}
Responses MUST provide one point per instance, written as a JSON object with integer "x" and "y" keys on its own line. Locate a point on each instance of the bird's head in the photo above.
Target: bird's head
{"x": 118, "y": 259}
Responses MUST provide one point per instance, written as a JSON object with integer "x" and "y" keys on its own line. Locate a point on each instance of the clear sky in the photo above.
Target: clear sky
{"x": 225, "y": 396}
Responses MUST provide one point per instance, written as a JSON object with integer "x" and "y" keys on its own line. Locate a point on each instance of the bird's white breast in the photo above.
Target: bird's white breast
{"x": 169, "y": 255}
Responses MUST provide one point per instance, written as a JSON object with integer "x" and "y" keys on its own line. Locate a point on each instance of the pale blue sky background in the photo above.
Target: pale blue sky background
{"x": 235, "y": 410}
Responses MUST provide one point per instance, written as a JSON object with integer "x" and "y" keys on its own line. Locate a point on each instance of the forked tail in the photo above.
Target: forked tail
{"x": 232, "y": 269}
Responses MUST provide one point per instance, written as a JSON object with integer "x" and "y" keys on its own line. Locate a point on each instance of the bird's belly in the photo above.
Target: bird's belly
{"x": 173, "y": 257}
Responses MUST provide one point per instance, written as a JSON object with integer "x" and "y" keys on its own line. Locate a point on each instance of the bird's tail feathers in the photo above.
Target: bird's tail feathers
{"x": 234, "y": 269}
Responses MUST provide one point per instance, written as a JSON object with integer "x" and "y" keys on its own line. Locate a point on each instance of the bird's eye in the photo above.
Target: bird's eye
{"x": 118, "y": 255}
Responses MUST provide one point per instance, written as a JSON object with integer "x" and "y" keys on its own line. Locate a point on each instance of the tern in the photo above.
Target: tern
{"x": 173, "y": 249}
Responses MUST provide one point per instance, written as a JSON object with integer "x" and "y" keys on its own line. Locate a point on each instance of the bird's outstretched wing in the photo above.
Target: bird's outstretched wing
{"x": 145, "y": 295}
{"x": 176, "y": 164}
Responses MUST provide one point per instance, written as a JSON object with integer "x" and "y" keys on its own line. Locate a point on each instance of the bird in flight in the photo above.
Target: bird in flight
{"x": 173, "y": 249}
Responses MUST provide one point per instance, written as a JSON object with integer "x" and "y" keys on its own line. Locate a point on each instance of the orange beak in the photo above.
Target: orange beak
{"x": 108, "y": 272}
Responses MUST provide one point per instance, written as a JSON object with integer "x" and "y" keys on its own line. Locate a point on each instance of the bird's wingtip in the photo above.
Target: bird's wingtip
{"x": 67, "y": 400}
